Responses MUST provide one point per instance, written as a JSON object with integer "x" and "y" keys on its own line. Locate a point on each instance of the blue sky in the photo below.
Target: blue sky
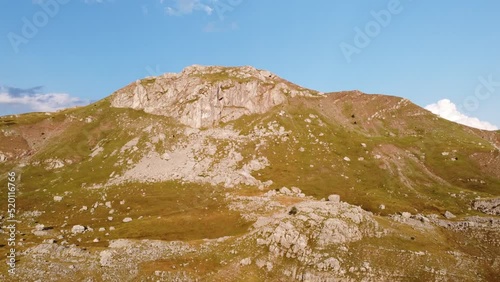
{"x": 82, "y": 50}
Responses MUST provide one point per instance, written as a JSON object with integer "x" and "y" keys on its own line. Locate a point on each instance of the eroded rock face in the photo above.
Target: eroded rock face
{"x": 322, "y": 224}
{"x": 203, "y": 96}
{"x": 488, "y": 206}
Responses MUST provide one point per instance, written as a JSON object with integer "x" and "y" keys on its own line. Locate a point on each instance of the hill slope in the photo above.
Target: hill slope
{"x": 222, "y": 173}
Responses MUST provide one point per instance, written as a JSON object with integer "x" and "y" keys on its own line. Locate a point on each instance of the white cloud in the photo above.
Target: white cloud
{"x": 185, "y": 7}
{"x": 447, "y": 110}
{"x": 41, "y": 102}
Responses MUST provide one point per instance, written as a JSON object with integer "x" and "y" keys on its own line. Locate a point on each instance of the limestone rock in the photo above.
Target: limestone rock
{"x": 76, "y": 229}
{"x": 334, "y": 198}
{"x": 246, "y": 261}
{"x": 449, "y": 215}
{"x": 488, "y": 206}
{"x": 406, "y": 214}
{"x": 203, "y": 96}
{"x": 285, "y": 190}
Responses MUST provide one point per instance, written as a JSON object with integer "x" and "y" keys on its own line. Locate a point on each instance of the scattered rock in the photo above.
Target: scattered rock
{"x": 127, "y": 219}
{"x": 334, "y": 198}
{"x": 285, "y": 191}
{"x": 246, "y": 261}
{"x": 449, "y": 215}
{"x": 406, "y": 214}
{"x": 76, "y": 229}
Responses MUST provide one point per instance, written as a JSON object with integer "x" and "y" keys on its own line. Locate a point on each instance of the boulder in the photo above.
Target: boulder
{"x": 449, "y": 215}
{"x": 406, "y": 214}
{"x": 334, "y": 198}
{"x": 285, "y": 191}
{"x": 246, "y": 261}
{"x": 76, "y": 229}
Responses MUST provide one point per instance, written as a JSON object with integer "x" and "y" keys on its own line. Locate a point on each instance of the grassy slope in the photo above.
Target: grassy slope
{"x": 187, "y": 211}
{"x": 191, "y": 212}
{"x": 372, "y": 182}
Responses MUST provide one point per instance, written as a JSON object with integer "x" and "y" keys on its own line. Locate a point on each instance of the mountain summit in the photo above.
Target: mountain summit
{"x": 202, "y": 96}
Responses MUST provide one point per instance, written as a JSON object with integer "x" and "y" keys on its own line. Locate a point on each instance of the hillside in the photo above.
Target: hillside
{"x": 235, "y": 174}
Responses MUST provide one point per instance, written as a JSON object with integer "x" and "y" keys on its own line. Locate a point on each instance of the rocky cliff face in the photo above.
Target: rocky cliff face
{"x": 204, "y": 96}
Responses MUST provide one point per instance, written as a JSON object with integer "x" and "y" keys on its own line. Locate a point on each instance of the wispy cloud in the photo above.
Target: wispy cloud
{"x": 32, "y": 99}
{"x": 218, "y": 8}
{"x": 448, "y": 110}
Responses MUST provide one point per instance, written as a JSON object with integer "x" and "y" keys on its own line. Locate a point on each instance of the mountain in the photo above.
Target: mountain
{"x": 235, "y": 174}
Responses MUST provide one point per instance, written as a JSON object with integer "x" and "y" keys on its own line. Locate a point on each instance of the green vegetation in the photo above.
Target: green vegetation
{"x": 148, "y": 81}
{"x": 418, "y": 163}
{"x": 222, "y": 76}
{"x": 410, "y": 175}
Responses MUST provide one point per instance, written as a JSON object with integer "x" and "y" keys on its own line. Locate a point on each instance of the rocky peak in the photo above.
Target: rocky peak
{"x": 203, "y": 96}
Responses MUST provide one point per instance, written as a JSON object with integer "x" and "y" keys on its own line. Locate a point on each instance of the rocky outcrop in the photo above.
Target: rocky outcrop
{"x": 488, "y": 206}
{"x": 203, "y": 96}
{"x": 320, "y": 224}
